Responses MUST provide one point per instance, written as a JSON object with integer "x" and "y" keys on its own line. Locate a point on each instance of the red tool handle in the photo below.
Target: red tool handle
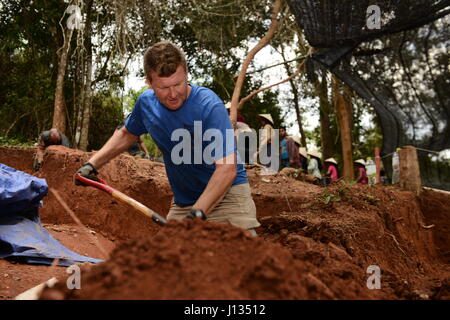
{"x": 100, "y": 184}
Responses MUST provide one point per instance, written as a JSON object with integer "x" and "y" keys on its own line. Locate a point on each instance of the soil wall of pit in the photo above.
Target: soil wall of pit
{"x": 140, "y": 179}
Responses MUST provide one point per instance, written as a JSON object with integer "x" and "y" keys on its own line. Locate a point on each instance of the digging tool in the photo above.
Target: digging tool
{"x": 102, "y": 185}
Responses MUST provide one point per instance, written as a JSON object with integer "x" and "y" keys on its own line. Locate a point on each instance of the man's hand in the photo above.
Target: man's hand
{"x": 36, "y": 165}
{"x": 88, "y": 171}
{"x": 196, "y": 213}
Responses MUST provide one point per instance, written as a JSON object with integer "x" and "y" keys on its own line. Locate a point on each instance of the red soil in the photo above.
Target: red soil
{"x": 315, "y": 243}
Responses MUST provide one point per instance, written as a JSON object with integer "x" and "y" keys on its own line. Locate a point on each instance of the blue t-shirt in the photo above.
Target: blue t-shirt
{"x": 187, "y": 170}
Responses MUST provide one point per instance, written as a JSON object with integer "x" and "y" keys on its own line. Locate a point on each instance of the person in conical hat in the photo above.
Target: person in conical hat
{"x": 303, "y": 158}
{"x": 239, "y": 118}
{"x": 240, "y": 132}
{"x": 289, "y": 155}
{"x": 332, "y": 170}
{"x": 266, "y": 117}
{"x": 265, "y": 145}
{"x": 362, "y": 174}
{"x": 315, "y": 164}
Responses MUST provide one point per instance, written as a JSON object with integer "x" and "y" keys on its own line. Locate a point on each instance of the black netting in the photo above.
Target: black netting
{"x": 337, "y": 23}
{"x": 403, "y": 75}
{"x": 401, "y": 69}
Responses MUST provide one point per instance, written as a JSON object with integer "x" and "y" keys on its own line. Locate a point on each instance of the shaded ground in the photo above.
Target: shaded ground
{"x": 16, "y": 278}
{"x": 315, "y": 243}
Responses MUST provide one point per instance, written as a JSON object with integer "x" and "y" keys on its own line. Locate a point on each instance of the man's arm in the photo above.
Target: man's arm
{"x": 120, "y": 141}
{"x": 40, "y": 150}
{"x": 218, "y": 185}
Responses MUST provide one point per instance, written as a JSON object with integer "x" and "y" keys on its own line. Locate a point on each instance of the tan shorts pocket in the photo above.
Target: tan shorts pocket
{"x": 237, "y": 208}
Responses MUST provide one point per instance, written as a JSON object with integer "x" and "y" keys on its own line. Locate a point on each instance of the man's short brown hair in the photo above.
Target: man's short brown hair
{"x": 164, "y": 59}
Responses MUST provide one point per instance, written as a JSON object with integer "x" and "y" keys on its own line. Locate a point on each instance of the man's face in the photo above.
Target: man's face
{"x": 171, "y": 91}
{"x": 282, "y": 133}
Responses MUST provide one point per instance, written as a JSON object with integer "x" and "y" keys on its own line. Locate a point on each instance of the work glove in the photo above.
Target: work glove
{"x": 88, "y": 171}
{"x": 196, "y": 213}
{"x": 147, "y": 156}
{"x": 36, "y": 165}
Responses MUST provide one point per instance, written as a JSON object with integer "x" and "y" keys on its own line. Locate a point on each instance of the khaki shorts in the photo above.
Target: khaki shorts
{"x": 236, "y": 208}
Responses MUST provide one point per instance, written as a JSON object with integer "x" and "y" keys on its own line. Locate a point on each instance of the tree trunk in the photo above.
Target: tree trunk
{"x": 59, "y": 111}
{"x": 410, "y": 170}
{"x": 79, "y": 100}
{"x": 325, "y": 109}
{"x": 342, "y": 103}
{"x": 295, "y": 93}
{"x": 84, "y": 141}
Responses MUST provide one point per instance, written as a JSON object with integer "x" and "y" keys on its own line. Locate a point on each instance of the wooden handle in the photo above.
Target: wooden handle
{"x": 139, "y": 207}
{"x": 102, "y": 185}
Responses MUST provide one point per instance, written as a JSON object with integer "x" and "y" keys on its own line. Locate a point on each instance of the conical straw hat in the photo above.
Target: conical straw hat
{"x": 303, "y": 152}
{"x": 267, "y": 116}
{"x": 296, "y": 139}
{"x": 361, "y": 161}
{"x": 331, "y": 160}
{"x": 315, "y": 153}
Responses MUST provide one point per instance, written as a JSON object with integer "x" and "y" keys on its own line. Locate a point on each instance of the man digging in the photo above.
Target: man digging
{"x": 216, "y": 189}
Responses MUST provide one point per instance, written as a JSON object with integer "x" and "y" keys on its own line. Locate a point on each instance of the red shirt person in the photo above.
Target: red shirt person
{"x": 362, "y": 174}
{"x": 332, "y": 171}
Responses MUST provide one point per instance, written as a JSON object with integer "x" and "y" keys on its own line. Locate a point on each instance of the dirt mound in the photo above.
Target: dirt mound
{"x": 195, "y": 260}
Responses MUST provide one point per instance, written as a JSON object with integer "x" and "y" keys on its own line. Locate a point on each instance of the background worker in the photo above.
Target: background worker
{"x": 138, "y": 147}
{"x": 48, "y": 138}
{"x": 362, "y": 174}
{"x": 332, "y": 174}
{"x": 315, "y": 165}
{"x": 303, "y": 158}
{"x": 217, "y": 191}
{"x": 242, "y": 129}
{"x": 289, "y": 154}
{"x": 265, "y": 144}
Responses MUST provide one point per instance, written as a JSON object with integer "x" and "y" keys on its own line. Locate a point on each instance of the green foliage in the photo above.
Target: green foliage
{"x": 152, "y": 148}
{"x": 107, "y": 114}
{"x": 130, "y": 99}
{"x": 326, "y": 197}
{"x": 5, "y": 141}
{"x": 28, "y": 58}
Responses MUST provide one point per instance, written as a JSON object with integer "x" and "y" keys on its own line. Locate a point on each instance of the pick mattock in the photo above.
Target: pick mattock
{"x": 102, "y": 185}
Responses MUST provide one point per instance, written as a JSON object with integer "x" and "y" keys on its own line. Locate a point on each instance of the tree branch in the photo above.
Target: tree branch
{"x": 248, "y": 97}
{"x": 261, "y": 44}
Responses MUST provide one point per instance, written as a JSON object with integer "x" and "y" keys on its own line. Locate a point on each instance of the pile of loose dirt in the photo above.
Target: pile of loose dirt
{"x": 196, "y": 260}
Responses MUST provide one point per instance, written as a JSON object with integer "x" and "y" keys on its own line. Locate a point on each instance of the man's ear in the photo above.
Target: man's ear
{"x": 147, "y": 81}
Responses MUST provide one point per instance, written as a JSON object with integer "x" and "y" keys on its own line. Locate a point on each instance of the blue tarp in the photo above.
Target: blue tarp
{"x": 21, "y": 235}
